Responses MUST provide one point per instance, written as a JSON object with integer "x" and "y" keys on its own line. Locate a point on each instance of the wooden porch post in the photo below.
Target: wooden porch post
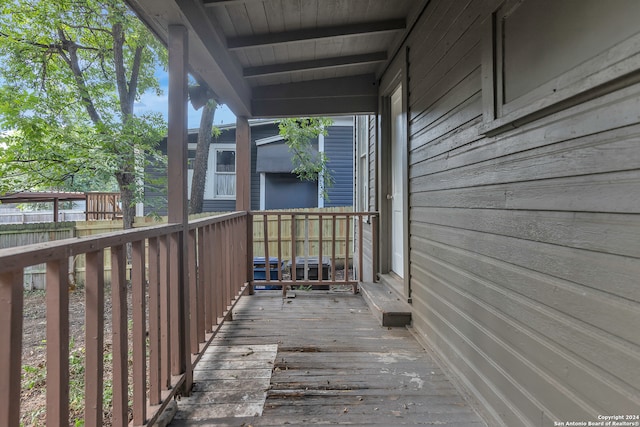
{"x": 243, "y": 164}
{"x": 243, "y": 186}
{"x": 177, "y": 186}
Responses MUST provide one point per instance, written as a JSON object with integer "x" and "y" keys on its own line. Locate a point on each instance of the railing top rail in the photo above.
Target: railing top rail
{"x": 38, "y": 253}
{"x": 24, "y": 256}
{"x": 313, "y": 213}
{"x": 201, "y": 222}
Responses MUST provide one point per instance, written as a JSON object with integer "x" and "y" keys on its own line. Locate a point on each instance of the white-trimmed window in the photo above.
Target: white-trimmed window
{"x": 221, "y": 172}
{"x": 362, "y": 163}
{"x": 223, "y": 168}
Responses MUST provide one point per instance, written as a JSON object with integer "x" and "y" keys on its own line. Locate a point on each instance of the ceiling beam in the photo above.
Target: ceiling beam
{"x": 364, "y": 84}
{"x": 224, "y": 75}
{"x": 323, "y": 106}
{"x": 244, "y": 42}
{"x": 342, "y": 95}
{"x": 214, "y": 3}
{"x": 315, "y": 64}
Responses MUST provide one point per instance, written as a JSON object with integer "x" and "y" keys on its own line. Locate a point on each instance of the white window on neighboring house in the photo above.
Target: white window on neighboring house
{"x": 224, "y": 172}
{"x": 221, "y": 172}
{"x": 362, "y": 163}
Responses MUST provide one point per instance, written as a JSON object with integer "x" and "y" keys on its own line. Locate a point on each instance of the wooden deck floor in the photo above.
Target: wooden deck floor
{"x": 318, "y": 359}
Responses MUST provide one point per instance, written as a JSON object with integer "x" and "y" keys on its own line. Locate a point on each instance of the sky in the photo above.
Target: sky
{"x": 150, "y": 102}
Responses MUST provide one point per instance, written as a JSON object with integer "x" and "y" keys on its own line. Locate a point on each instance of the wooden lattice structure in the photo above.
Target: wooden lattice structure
{"x": 103, "y": 206}
{"x": 99, "y": 205}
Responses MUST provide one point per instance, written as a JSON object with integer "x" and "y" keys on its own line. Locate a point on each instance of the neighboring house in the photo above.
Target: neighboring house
{"x": 280, "y": 189}
{"x": 501, "y": 148}
{"x": 273, "y": 186}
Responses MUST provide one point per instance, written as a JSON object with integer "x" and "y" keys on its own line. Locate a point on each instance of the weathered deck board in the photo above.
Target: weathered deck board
{"x": 334, "y": 365}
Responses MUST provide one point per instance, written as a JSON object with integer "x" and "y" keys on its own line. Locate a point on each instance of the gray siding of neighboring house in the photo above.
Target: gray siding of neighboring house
{"x": 286, "y": 191}
{"x": 155, "y": 201}
{"x": 524, "y": 246}
{"x": 338, "y": 146}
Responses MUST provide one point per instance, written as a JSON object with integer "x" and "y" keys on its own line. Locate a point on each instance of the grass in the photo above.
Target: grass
{"x": 34, "y": 380}
{"x": 34, "y": 369}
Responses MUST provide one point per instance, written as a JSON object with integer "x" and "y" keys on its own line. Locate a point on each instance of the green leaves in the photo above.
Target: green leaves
{"x": 299, "y": 135}
{"x": 71, "y": 71}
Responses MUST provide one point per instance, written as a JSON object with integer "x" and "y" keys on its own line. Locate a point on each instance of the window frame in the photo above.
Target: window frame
{"x": 213, "y": 158}
{"x": 615, "y": 68}
{"x": 362, "y": 136}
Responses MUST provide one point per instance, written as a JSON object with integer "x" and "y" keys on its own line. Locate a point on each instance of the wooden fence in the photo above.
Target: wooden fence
{"x": 14, "y": 235}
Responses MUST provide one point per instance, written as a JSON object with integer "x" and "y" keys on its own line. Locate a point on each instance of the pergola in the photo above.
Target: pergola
{"x": 43, "y": 196}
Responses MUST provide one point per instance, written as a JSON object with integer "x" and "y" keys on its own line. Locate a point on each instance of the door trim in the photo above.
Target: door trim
{"x": 397, "y": 74}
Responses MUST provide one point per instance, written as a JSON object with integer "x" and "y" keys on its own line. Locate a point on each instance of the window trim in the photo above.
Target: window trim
{"x": 363, "y": 177}
{"x": 213, "y": 157}
{"x": 611, "y": 70}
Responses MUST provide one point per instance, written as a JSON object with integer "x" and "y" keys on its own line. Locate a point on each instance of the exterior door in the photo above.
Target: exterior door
{"x": 397, "y": 194}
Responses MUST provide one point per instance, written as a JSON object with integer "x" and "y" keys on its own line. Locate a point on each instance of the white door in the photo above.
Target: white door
{"x": 397, "y": 193}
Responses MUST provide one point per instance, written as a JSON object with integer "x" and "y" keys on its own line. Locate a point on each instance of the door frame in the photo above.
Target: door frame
{"x": 395, "y": 75}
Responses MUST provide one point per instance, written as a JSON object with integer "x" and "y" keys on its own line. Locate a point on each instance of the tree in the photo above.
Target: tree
{"x": 201, "y": 161}
{"x": 72, "y": 71}
{"x": 299, "y": 134}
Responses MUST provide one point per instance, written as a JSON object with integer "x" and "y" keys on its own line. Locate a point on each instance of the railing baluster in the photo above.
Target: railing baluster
{"x": 174, "y": 302}
{"x": 293, "y": 254}
{"x": 320, "y": 263}
{"x": 333, "y": 247}
{"x": 347, "y": 240}
{"x": 237, "y": 266}
{"x": 194, "y": 313}
{"x": 374, "y": 250}
{"x": 218, "y": 259}
{"x": 154, "y": 322}
{"x": 248, "y": 238}
{"x": 279, "y": 247}
{"x": 224, "y": 267}
{"x": 11, "y": 306}
{"x": 202, "y": 295}
{"x": 57, "y": 297}
{"x": 119, "y": 332}
{"x": 210, "y": 295}
{"x": 305, "y": 248}
{"x": 138, "y": 286}
{"x": 360, "y": 231}
{"x": 165, "y": 314}
{"x": 267, "y": 264}
{"x": 94, "y": 337}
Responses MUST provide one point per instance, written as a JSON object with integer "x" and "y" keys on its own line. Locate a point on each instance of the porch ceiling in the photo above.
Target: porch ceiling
{"x": 271, "y": 58}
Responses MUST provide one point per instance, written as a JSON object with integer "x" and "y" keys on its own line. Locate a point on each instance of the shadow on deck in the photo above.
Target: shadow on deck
{"x": 320, "y": 358}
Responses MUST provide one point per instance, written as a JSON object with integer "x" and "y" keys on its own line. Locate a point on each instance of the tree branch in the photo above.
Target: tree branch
{"x": 121, "y": 79}
{"x": 135, "y": 72}
{"x": 74, "y": 64}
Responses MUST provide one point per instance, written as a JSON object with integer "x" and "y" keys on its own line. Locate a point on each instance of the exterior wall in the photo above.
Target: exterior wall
{"x": 155, "y": 199}
{"x": 338, "y": 146}
{"x": 286, "y": 191}
{"x": 524, "y": 246}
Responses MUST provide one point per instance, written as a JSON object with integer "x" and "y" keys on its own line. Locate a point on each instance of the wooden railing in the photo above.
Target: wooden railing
{"x": 189, "y": 277}
{"x": 316, "y": 244}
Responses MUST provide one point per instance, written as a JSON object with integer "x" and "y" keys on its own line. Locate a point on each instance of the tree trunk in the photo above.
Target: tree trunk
{"x": 202, "y": 158}
{"x": 126, "y": 182}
